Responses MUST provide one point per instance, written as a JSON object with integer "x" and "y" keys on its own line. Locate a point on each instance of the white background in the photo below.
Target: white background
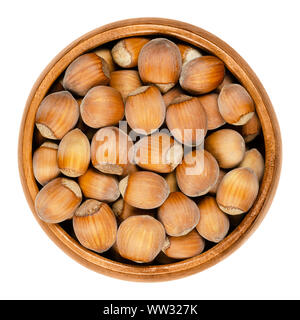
{"x": 265, "y": 34}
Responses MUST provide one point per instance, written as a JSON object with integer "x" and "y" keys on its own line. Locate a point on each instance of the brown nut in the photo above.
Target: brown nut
{"x": 188, "y": 53}
{"x": 237, "y": 191}
{"x": 227, "y": 146}
{"x": 210, "y": 104}
{"x": 99, "y": 186}
{"x": 235, "y": 104}
{"x": 130, "y": 168}
{"x": 86, "y": 72}
{"x": 125, "y": 81}
{"x": 160, "y": 63}
{"x": 58, "y": 200}
{"x": 140, "y": 238}
{"x": 214, "y": 223}
{"x": 197, "y": 173}
{"x": 214, "y": 189}
{"x": 102, "y": 106}
{"x": 126, "y": 51}
{"x": 73, "y": 156}
{"x": 57, "y": 114}
{"x": 186, "y": 120}
{"x": 44, "y": 163}
{"x": 158, "y": 152}
{"x": 105, "y": 54}
{"x": 144, "y": 190}
{"x": 228, "y": 79}
{"x": 109, "y": 150}
{"x": 251, "y": 129}
{"x": 171, "y": 181}
{"x": 145, "y": 109}
{"x": 179, "y": 214}
{"x": 202, "y": 75}
{"x": 123, "y": 210}
{"x": 171, "y": 95}
{"x": 184, "y": 247}
{"x": 95, "y": 225}
{"x": 255, "y": 161}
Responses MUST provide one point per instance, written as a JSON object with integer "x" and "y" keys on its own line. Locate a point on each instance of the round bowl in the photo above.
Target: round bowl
{"x": 243, "y": 73}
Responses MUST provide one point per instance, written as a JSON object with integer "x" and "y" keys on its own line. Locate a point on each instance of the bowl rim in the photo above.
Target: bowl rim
{"x": 240, "y": 69}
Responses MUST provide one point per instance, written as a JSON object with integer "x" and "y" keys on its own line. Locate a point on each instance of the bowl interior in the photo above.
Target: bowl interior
{"x": 270, "y": 141}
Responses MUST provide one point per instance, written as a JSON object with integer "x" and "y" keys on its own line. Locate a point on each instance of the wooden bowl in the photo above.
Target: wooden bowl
{"x": 243, "y": 73}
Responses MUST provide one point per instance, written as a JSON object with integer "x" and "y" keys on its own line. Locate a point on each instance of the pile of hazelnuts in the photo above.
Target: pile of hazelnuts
{"x": 148, "y": 149}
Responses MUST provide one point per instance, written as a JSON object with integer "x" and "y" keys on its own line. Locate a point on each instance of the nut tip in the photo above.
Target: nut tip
{"x": 123, "y": 185}
{"x": 73, "y": 186}
{"x": 88, "y": 208}
{"x": 46, "y": 131}
{"x": 244, "y": 119}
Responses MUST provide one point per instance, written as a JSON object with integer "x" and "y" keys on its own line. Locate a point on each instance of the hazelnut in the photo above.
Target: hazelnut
{"x": 125, "y": 81}
{"x": 99, "y": 186}
{"x": 57, "y": 114}
{"x": 85, "y": 72}
{"x": 202, "y": 75}
{"x": 237, "y": 191}
{"x": 255, "y": 161}
{"x": 179, "y": 214}
{"x": 58, "y": 200}
{"x": 109, "y": 150}
{"x": 160, "y": 63}
{"x": 228, "y": 79}
{"x": 145, "y": 109}
{"x": 251, "y": 129}
{"x": 130, "y": 168}
{"x": 171, "y": 95}
{"x": 144, "y": 190}
{"x": 235, "y": 104}
{"x": 158, "y": 152}
{"x": 105, "y": 54}
{"x": 102, "y": 106}
{"x": 171, "y": 181}
{"x": 95, "y": 225}
{"x": 126, "y": 51}
{"x": 184, "y": 247}
{"x": 197, "y": 173}
{"x": 210, "y": 104}
{"x": 44, "y": 163}
{"x": 227, "y": 146}
{"x": 140, "y": 238}
{"x": 214, "y": 223}
{"x": 186, "y": 120}
{"x": 123, "y": 210}
{"x": 73, "y": 156}
{"x": 188, "y": 53}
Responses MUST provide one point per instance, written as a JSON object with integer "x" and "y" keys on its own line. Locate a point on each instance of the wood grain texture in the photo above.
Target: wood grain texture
{"x": 244, "y": 74}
